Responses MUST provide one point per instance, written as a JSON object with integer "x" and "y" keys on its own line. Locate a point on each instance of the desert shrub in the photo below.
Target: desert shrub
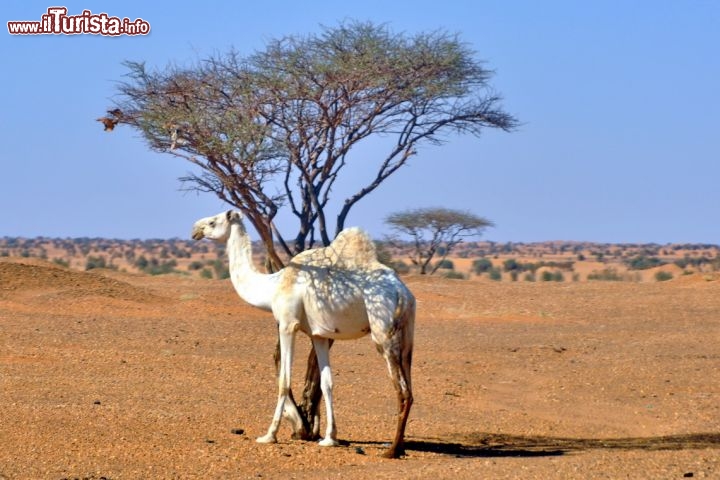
{"x": 481, "y": 265}
{"x": 446, "y": 264}
{"x": 548, "y": 276}
{"x": 221, "y": 269}
{"x": 531, "y": 267}
{"x": 453, "y": 274}
{"x": 607, "y": 275}
{"x": 61, "y": 262}
{"x": 95, "y": 262}
{"x": 142, "y": 262}
{"x": 663, "y": 276}
{"x": 206, "y": 273}
{"x": 529, "y": 277}
{"x": 157, "y": 268}
{"x": 178, "y": 252}
{"x": 511, "y": 264}
{"x": 568, "y": 266}
{"x": 643, "y": 262}
{"x": 514, "y": 275}
{"x": 196, "y": 265}
{"x": 689, "y": 261}
{"x": 495, "y": 274}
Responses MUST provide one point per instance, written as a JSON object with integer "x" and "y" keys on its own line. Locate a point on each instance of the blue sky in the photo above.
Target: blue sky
{"x": 619, "y": 104}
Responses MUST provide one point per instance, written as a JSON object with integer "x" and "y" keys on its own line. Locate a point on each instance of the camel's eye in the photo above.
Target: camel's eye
{"x": 212, "y": 224}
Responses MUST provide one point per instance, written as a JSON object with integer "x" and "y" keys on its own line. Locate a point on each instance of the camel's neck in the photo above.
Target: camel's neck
{"x": 254, "y": 287}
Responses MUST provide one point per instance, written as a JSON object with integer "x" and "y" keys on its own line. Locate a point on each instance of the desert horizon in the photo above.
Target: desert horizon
{"x": 472, "y": 260}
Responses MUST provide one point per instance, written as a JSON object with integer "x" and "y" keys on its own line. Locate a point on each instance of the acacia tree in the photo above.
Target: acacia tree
{"x": 435, "y": 229}
{"x": 275, "y": 129}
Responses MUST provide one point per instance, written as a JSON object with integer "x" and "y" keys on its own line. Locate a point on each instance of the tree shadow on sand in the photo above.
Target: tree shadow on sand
{"x": 494, "y": 445}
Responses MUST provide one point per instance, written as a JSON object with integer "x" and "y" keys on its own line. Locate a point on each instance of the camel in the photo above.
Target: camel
{"x": 339, "y": 292}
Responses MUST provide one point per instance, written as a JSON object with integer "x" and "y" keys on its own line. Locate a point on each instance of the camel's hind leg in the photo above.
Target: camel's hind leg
{"x": 400, "y": 375}
{"x": 397, "y": 351}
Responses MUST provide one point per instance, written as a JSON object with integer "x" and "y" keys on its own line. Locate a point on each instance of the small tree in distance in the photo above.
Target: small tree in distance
{"x": 435, "y": 230}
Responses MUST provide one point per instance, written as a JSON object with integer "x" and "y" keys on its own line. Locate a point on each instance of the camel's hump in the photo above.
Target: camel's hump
{"x": 352, "y": 248}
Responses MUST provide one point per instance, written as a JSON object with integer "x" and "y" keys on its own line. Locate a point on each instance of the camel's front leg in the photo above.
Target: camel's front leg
{"x": 287, "y": 343}
{"x": 322, "y": 350}
{"x": 300, "y": 425}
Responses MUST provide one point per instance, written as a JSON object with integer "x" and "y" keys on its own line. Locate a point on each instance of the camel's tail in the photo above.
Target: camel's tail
{"x": 404, "y": 319}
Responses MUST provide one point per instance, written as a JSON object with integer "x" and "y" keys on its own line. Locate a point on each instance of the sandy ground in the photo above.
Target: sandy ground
{"x": 118, "y": 376}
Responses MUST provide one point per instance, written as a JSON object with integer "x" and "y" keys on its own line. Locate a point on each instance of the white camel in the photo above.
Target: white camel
{"x": 339, "y": 292}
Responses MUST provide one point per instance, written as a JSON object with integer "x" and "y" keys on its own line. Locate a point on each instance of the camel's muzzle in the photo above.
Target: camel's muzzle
{"x": 197, "y": 234}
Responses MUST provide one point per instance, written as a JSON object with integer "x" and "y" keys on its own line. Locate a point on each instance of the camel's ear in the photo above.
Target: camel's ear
{"x": 232, "y": 215}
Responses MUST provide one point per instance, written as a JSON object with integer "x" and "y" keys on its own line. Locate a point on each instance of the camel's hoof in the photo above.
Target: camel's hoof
{"x": 266, "y": 439}
{"x": 328, "y": 442}
{"x": 394, "y": 453}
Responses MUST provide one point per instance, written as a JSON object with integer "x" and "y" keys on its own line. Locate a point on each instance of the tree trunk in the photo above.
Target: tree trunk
{"x": 311, "y": 395}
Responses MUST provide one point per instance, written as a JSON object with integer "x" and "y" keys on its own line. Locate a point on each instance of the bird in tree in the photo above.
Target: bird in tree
{"x": 109, "y": 122}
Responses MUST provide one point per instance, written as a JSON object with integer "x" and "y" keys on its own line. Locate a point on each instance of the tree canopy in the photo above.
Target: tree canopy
{"x": 275, "y": 129}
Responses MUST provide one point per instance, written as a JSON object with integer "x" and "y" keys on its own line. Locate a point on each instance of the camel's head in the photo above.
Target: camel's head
{"x": 217, "y": 227}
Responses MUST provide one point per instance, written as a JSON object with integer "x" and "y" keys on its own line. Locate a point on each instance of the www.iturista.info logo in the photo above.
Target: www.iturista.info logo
{"x": 57, "y": 22}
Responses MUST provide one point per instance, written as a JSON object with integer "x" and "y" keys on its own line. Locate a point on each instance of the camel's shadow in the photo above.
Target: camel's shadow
{"x": 495, "y": 445}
